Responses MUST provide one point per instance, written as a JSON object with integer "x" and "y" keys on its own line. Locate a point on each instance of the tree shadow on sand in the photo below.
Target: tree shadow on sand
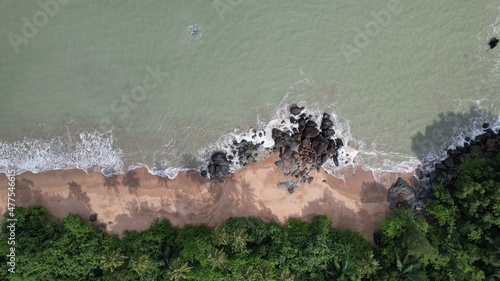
{"x": 175, "y": 205}
{"x": 447, "y": 130}
{"x": 132, "y": 181}
{"x": 77, "y": 202}
{"x": 244, "y": 203}
{"x": 342, "y": 216}
{"x": 26, "y": 192}
{"x": 80, "y": 197}
{"x": 111, "y": 182}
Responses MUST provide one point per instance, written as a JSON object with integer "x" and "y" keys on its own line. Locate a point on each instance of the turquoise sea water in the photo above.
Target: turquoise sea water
{"x": 120, "y": 84}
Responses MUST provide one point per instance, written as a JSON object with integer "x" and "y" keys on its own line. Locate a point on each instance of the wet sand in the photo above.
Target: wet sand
{"x": 134, "y": 200}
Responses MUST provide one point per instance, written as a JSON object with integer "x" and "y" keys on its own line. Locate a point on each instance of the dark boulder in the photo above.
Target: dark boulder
{"x": 211, "y": 168}
{"x": 448, "y": 162}
{"x": 219, "y": 158}
{"x": 276, "y": 133}
{"x": 204, "y": 173}
{"x": 93, "y": 217}
{"x": 224, "y": 169}
{"x": 328, "y": 133}
{"x": 310, "y": 180}
{"x": 493, "y": 42}
{"x": 295, "y": 110}
{"x": 311, "y": 123}
{"x": 401, "y": 194}
{"x": 326, "y": 124}
{"x": 310, "y": 132}
{"x": 339, "y": 143}
{"x": 320, "y": 144}
{"x": 301, "y": 122}
{"x": 335, "y": 160}
{"x": 482, "y": 137}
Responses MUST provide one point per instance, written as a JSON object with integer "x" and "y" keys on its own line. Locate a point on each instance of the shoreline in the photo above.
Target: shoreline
{"x": 132, "y": 201}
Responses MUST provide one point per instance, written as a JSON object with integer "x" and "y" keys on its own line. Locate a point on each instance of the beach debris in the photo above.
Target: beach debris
{"x": 493, "y": 42}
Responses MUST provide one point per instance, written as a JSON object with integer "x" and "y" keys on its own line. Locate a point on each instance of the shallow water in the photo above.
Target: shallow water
{"x": 387, "y": 69}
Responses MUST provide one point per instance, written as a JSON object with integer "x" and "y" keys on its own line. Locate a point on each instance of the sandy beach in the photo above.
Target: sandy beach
{"x": 134, "y": 200}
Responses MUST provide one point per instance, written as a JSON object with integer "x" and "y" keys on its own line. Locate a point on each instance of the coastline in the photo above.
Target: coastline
{"x": 132, "y": 201}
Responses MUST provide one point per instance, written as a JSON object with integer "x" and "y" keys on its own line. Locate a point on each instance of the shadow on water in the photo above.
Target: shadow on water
{"x": 450, "y": 129}
{"x": 191, "y": 162}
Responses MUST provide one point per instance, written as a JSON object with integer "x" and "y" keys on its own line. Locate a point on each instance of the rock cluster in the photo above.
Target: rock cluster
{"x": 484, "y": 145}
{"x": 306, "y": 147}
{"x": 302, "y": 149}
{"x": 244, "y": 152}
{"x": 241, "y": 153}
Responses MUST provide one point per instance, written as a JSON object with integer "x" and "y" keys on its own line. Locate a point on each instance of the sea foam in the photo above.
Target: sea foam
{"x": 89, "y": 152}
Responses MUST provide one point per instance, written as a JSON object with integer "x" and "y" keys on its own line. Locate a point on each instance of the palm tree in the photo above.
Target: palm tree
{"x": 141, "y": 264}
{"x": 268, "y": 272}
{"x": 407, "y": 270}
{"x": 115, "y": 260}
{"x": 345, "y": 271}
{"x": 248, "y": 273}
{"x": 240, "y": 239}
{"x": 179, "y": 270}
{"x": 367, "y": 265}
{"x": 219, "y": 236}
{"x": 286, "y": 275}
{"x": 217, "y": 258}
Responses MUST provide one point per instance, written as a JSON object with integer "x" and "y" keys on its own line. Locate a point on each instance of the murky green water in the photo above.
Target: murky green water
{"x": 172, "y": 77}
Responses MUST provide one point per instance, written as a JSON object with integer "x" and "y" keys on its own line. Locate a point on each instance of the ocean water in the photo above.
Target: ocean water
{"x": 113, "y": 85}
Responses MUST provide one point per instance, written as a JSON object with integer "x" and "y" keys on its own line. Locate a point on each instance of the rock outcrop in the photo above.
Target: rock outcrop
{"x": 486, "y": 144}
{"x": 307, "y": 147}
{"x": 302, "y": 148}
